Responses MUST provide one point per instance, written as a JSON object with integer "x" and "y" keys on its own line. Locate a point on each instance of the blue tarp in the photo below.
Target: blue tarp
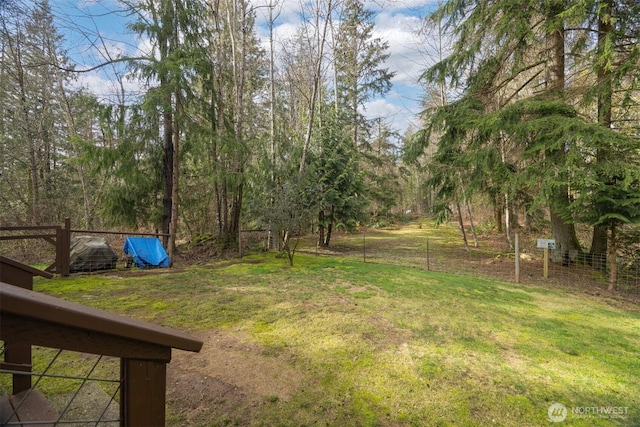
{"x": 147, "y": 252}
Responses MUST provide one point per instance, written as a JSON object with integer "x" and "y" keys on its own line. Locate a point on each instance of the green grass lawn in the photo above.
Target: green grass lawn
{"x": 388, "y": 345}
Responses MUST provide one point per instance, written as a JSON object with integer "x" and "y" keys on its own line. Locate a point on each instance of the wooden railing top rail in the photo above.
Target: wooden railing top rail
{"x": 29, "y": 227}
{"x": 18, "y": 265}
{"x": 50, "y": 321}
{"x": 124, "y": 233}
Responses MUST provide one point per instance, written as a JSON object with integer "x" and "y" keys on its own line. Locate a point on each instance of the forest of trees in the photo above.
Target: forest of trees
{"x": 545, "y": 116}
{"x": 530, "y": 106}
{"x": 225, "y": 134}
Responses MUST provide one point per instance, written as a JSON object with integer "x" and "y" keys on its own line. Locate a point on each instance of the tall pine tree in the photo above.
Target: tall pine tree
{"x": 511, "y": 59}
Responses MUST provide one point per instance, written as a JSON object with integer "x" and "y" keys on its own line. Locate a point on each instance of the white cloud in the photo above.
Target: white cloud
{"x": 108, "y": 89}
{"x": 145, "y": 48}
{"x": 83, "y": 4}
{"x": 109, "y": 50}
{"x": 396, "y": 22}
{"x": 285, "y": 31}
{"x": 390, "y": 113}
{"x": 398, "y": 31}
{"x": 395, "y": 110}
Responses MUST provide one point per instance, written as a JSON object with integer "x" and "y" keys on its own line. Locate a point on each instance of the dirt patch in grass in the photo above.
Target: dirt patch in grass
{"x": 335, "y": 341}
{"x": 228, "y": 379}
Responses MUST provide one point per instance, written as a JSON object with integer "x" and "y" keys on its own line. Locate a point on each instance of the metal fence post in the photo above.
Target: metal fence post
{"x": 428, "y": 267}
{"x": 364, "y": 247}
{"x": 517, "y": 260}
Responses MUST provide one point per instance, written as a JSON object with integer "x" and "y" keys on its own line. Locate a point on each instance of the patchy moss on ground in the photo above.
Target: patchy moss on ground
{"x": 337, "y": 341}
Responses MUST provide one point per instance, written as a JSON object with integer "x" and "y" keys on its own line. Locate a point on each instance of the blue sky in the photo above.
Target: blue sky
{"x": 396, "y": 22}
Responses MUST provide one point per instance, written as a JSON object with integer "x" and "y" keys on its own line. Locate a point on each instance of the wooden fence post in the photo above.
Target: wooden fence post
{"x": 59, "y": 249}
{"x": 65, "y": 243}
{"x": 63, "y": 248}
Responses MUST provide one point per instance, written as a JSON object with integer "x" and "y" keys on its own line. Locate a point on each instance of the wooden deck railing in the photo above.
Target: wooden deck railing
{"x": 19, "y": 355}
{"x": 60, "y": 237}
{"x": 144, "y": 349}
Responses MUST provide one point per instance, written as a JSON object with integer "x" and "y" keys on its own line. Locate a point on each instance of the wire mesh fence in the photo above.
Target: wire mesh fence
{"x": 440, "y": 251}
{"x": 489, "y": 259}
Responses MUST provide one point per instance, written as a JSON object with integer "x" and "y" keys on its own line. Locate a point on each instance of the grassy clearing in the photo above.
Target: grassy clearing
{"x": 387, "y": 345}
{"x": 416, "y": 244}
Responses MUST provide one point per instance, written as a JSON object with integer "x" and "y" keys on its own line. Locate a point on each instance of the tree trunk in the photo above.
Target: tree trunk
{"x": 468, "y": 208}
{"x": 311, "y": 106}
{"x": 497, "y": 214}
{"x": 598, "y": 251}
{"x": 167, "y": 168}
{"x": 507, "y": 219}
{"x": 461, "y": 225}
{"x": 272, "y": 114}
{"x": 473, "y": 228}
{"x": 327, "y": 237}
{"x": 236, "y": 210}
{"x": 34, "y": 182}
{"x": 173, "y": 224}
{"x": 321, "y": 229}
{"x": 564, "y": 233}
{"x": 565, "y": 237}
{"x": 599, "y": 240}
{"x": 74, "y": 132}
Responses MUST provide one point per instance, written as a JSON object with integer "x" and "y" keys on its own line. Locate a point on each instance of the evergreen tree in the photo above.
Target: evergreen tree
{"x": 608, "y": 53}
{"x": 607, "y": 191}
{"x": 382, "y": 179}
{"x": 341, "y": 199}
{"x": 358, "y": 62}
{"x": 511, "y": 60}
{"x": 127, "y": 157}
{"x": 31, "y": 132}
{"x": 168, "y": 24}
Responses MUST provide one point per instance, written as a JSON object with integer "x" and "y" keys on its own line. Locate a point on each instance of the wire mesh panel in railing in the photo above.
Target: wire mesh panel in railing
{"x": 68, "y": 388}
